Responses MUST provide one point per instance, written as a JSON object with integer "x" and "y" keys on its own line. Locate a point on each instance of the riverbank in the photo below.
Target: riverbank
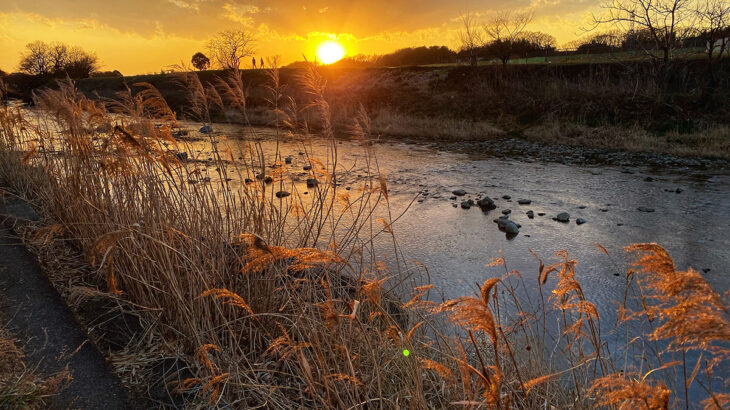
{"x": 595, "y": 152}
{"x": 607, "y": 106}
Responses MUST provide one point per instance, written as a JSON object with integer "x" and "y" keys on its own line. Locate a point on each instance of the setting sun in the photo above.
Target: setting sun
{"x": 330, "y": 52}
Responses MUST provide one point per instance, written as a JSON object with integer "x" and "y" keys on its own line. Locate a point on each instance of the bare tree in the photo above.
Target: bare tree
{"x": 470, "y": 36}
{"x": 57, "y": 59}
{"x": 504, "y": 29}
{"x": 543, "y": 41}
{"x": 80, "y": 63}
{"x": 58, "y": 54}
{"x": 664, "y": 20}
{"x": 229, "y": 47}
{"x": 36, "y": 60}
{"x": 714, "y": 24}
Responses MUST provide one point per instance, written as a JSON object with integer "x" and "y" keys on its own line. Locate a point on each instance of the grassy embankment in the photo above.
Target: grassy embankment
{"x": 274, "y": 302}
{"x": 613, "y": 104}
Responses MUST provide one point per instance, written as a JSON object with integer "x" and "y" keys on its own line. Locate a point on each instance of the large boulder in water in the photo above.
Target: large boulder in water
{"x": 459, "y": 192}
{"x": 563, "y": 217}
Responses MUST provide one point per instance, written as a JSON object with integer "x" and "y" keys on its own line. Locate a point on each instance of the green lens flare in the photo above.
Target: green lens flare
{"x": 406, "y": 352}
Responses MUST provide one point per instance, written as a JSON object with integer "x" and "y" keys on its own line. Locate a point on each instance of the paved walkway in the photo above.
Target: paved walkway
{"x": 46, "y": 327}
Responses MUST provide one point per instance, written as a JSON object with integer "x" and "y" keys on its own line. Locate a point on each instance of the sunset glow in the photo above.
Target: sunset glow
{"x": 330, "y": 52}
{"x": 171, "y": 31}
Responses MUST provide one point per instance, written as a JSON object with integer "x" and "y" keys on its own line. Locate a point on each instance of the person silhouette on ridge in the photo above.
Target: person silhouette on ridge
{"x": 253, "y": 62}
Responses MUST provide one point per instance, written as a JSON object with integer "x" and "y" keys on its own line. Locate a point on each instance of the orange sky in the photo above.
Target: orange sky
{"x": 145, "y": 36}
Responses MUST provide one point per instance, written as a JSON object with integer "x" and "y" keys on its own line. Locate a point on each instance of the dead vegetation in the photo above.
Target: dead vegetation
{"x": 20, "y": 386}
{"x": 712, "y": 142}
{"x": 280, "y": 301}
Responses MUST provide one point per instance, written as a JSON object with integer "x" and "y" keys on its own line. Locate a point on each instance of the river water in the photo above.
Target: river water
{"x": 456, "y": 244}
{"x": 691, "y": 218}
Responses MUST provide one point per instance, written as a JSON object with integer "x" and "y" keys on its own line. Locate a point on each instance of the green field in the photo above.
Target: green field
{"x": 684, "y": 53}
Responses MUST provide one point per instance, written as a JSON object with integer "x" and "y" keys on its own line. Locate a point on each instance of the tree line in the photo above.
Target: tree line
{"x": 57, "y": 60}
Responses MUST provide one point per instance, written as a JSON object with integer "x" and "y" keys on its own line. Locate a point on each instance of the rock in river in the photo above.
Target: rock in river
{"x": 282, "y": 194}
{"x": 530, "y": 214}
{"x": 504, "y": 224}
{"x": 287, "y": 160}
{"x": 206, "y": 129}
{"x": 580, "y": 221}
{"x": 467, "y": 204}
{"x": 459, "y": 192}
{"x": 312, "y": 182}
{"x": 506, "y": 211}
{"x": 645, "y": 209}
{"x": 563, "y": 217}
{"x": 486, "y": 204}
{"x": 524, "y": 202}
{"x": 511, "y": 227}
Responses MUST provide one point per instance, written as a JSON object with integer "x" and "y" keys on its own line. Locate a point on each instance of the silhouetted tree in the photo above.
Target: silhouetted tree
{"x": 539, "y": 40}
{"x": 229, "y": 47}
{"x": 714, "y": 21}
{"x": 417, "y": 56}
{"x": 200, "y": 61}
{"x": 58, "y": 54}
{"x": 505, "y": 31}
{"x": 80, "y": 63}
{"x": 58, "y": 60}
{"x": 359, "y": 60}
{"x": 662, "y": 22}
{"x": 713, "y": 18}
{"x": 470, "y": 37}
{"x": 36, "y": 60}
{"x": 601, "y": 43}
{"x": 102, "y": 74}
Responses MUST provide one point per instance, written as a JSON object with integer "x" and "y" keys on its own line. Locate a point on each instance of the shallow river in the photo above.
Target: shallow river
{"x": 691, "y": 217}
{"x": 456, "y": 244}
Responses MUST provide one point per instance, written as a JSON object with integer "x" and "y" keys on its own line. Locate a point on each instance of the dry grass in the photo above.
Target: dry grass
{"x": 280, "y": 302}
{"x": 20, "y": 387}
{"x": 713, "y": 142}
{"x": 389, "y": 123}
